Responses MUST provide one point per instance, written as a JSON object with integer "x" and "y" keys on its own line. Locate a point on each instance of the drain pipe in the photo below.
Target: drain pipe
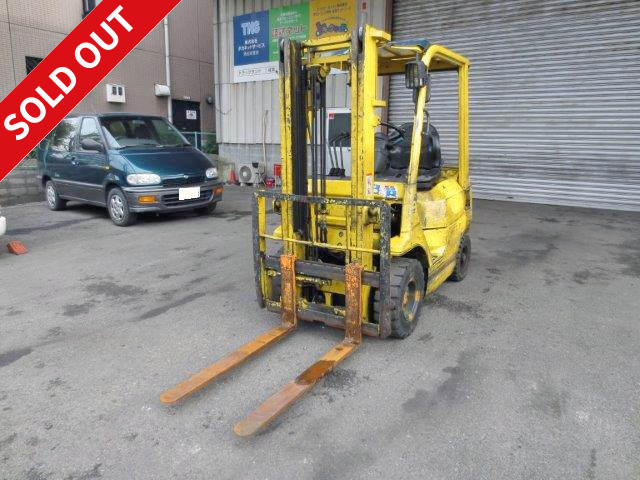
{"x": 167, "y": 66}
{"x": 264, "y": 139}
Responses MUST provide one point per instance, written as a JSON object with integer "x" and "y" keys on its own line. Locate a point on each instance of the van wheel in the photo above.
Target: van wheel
{"x": 118, "y": 207}
{"x": 53, "y": 199}
{"x": 462, "y": 259}
{"x": 406, "y": 295}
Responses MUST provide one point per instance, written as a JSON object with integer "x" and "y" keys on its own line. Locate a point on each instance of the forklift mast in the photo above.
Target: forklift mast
{"x": 300, "y": 81}
{"x": 293, "y": 94}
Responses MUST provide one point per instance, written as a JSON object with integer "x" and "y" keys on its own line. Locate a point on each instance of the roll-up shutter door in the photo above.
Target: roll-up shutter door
{"x": 555, "y": 95}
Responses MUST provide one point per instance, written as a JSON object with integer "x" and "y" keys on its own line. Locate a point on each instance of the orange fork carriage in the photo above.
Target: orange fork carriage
{"x": 280, "y": 401}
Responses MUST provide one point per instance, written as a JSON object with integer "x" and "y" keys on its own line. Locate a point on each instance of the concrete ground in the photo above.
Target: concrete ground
{"x": 529, "y": 369}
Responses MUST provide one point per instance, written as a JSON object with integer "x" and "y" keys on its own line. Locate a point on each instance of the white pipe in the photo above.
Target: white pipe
{"x": 167, "y": 65}
{"x": 217, "y": 101}
{"x": 264, "y": 139}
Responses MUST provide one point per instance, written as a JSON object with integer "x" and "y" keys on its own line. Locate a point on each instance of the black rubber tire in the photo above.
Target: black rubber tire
{"x": 208, "y": 210}
{"x": 118, "y": 208}
{"x": 54, "y": 202}
{"x": 463, "y": 257}
{"x": 406, "y": 295}
{"x": 276, "y": 282}
{"x": 276, "y": 288}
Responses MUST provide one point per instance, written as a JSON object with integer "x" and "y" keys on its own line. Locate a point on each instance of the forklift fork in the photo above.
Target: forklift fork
{"x": 248, "y": 350}
{"x": 280, "y": 401}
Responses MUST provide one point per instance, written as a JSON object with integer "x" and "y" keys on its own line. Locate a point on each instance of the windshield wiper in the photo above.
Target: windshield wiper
{"x": 138, "y": 145}
{"x": 157, "y": 145}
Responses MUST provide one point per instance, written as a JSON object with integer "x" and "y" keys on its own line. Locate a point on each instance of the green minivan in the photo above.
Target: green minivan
{"x": 127, "y": 163}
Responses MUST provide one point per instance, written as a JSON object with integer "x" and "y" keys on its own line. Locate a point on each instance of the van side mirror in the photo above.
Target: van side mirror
{"x": 91, "y": 144}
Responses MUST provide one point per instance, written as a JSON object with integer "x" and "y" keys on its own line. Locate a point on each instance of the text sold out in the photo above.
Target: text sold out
{"x": 33, "y": 109}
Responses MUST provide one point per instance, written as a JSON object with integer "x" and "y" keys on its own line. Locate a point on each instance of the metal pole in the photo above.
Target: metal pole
{"x": 167, "y": 66}
{"x": 264, "y": 139}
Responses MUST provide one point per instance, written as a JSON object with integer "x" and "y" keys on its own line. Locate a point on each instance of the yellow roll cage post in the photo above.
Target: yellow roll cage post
{"x": 347, "y": 217}
{"x": 436, "y": 58}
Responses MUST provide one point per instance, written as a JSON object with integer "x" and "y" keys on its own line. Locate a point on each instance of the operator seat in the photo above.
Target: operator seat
{"x": 430, "y": 167}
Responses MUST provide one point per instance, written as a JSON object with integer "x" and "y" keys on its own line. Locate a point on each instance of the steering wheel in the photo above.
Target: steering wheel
{"x": 393, "y": 127}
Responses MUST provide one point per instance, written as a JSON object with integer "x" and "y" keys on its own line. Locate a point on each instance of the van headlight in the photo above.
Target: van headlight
{"x": 143, "y": 179}
{"x": 211, "y": 173}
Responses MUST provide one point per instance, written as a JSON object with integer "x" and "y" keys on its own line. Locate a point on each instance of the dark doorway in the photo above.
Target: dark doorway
{"x": 31, "y": 62}
{"x": 186, "y": 115}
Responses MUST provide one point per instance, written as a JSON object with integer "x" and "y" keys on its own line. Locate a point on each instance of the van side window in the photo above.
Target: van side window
{"x": 64, "y": 134}
{"x": 89, "y": 129}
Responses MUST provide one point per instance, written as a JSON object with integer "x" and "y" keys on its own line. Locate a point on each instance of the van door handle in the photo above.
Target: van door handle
{"x": 74, "y": 162}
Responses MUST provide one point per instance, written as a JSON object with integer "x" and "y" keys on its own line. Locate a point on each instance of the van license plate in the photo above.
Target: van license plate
{"x": 188, "y": 193}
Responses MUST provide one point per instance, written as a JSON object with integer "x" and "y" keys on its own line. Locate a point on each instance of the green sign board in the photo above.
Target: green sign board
{"x": 287, "y": 22}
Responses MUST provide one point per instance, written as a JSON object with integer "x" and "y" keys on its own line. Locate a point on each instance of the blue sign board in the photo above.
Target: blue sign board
{"x": 251, "y": 38}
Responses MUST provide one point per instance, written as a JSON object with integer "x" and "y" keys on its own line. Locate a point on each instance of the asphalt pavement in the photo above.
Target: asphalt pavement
{"x": 529, "y": 369}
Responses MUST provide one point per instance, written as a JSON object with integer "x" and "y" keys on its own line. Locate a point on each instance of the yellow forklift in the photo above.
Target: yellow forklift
{"x": 360, "y": 249}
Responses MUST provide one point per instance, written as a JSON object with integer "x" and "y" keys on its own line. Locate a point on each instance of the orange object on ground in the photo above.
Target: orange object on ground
{"x": 233, "y": 179}
{"x": 17, "y": 248}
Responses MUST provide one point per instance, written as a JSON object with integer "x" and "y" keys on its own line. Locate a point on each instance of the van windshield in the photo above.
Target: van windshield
{"x": 122, "y": 132}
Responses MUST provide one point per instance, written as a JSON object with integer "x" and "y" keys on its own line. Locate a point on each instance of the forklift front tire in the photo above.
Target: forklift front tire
{"x": 406, "y": 295}
{"x": 276, "y": 288}
{"x": 462, "y": 259}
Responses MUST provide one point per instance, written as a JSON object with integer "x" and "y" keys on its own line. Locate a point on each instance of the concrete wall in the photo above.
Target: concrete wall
{"x": 34, "y": 27}
{"x": 21, "y": 185}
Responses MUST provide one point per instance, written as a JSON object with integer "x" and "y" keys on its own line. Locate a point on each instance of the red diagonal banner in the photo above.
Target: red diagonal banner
{"x": 71, "y": 71}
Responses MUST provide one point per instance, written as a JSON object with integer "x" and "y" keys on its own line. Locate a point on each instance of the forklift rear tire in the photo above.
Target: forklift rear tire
{"x": 406, "y": 295}
{"x": 462, "y": 259}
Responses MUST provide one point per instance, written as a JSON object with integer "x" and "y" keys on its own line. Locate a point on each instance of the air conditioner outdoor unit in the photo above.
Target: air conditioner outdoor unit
{"x": 251, "y": 174}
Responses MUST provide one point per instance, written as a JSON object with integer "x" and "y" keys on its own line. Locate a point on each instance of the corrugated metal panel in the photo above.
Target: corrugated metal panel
{"x": 240, "y": 108}
{"x": 555, "y": 101}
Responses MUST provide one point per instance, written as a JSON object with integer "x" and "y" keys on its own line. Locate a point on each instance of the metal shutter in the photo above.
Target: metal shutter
{"x": 555, "y": 95}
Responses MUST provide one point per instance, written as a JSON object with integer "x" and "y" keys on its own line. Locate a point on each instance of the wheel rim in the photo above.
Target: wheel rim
{"x": 410, "y": 301}
{"x": 116, "y": 207}
{"x": 51, "y": 196}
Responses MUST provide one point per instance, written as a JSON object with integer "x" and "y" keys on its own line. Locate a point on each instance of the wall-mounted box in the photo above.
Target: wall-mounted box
{"x": 162, "y": 90}
{"x": 115, "y": 93}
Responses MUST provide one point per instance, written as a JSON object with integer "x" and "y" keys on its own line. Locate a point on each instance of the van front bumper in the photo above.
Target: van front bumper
{"x": 166, "y": 199}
